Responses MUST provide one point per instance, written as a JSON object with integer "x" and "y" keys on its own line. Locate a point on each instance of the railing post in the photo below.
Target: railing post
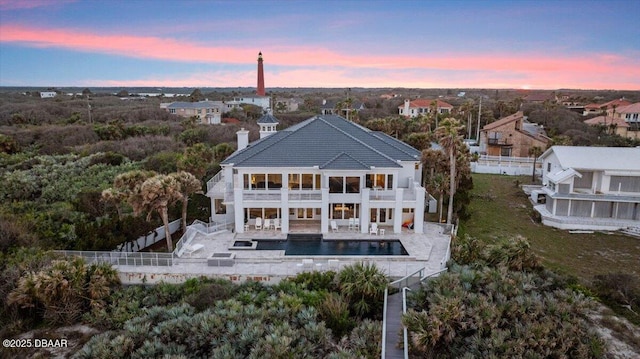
{"x": 405, "y": 332}
{"x": 384, "y": 324}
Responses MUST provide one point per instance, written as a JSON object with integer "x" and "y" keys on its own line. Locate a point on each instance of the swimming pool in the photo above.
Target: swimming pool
{"x": 321, "y": 247}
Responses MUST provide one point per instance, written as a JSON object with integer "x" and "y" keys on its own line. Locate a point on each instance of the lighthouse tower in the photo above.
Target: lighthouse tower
{"x": 260, "y": 89}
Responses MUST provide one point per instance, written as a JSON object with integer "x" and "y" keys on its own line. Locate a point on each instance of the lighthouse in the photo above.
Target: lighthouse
{"x": 260, "y": 89}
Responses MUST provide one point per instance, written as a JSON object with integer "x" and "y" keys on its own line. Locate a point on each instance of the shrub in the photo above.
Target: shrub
{"x": 494, "y": 312}
{"x": 61, "y": 292}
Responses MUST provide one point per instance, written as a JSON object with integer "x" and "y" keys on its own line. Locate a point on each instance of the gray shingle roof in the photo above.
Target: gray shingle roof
{"x": 268, "y": 118}
{"x": 329, "y": 142}
{"x": 200, "y": 104}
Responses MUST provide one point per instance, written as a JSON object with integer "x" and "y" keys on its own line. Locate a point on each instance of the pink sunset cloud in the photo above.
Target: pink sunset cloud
{"x": 332, "y": 68}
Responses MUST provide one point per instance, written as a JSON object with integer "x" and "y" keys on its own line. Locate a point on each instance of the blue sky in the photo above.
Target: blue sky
{"x": 457, "y": 44}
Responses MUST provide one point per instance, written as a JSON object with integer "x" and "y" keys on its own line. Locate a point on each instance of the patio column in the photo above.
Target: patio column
{"x": 324, "y": 211}
{"x": 418, "y": 211}
{"x": 397, "y": 215}
{"x": 284, "y": 210}
{"x": 238, "y": 210}
{"x": 365, "y": 211}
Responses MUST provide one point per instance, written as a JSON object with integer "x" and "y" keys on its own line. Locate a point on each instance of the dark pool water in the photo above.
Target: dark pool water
{"x": 319, "y": 247}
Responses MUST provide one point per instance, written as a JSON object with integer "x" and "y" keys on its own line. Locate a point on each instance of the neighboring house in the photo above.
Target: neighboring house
{"x": 287, "y": 104}
{"x": 631, "y": 116}
{"x": 591, "y": 188}
{"x": 208, "y": 112}
{"x": 321, "y": 170}
{"x": 624, "y": 121}
{"x": 261, "y": 101}
{"x": 512, "y": 136}
{"x": 608, "y": 108}
{"x": 422, "y": 107}
{"x": 47, "y": 94}
{"x": 329, "y": 108}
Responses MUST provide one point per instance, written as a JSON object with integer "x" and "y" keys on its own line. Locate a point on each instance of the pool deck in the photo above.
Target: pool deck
{"x": 425, "y": 250}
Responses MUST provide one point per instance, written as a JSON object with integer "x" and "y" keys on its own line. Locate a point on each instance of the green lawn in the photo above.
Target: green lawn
{"x": 499, "y": 209}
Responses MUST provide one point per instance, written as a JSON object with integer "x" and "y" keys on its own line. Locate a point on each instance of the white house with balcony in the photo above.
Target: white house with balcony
{"x": 592, "y": 188}
{"x": 323, "y": 171}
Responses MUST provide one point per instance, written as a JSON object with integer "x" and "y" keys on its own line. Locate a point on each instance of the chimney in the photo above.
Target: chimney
{"x": 406, "y": 107}
{"x": 243, "y": 139}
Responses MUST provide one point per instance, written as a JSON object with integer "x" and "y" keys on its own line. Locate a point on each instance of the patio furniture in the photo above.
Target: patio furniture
{"x": 381, "y": 230}
{"x": 267, "y": 223}
{"x": 259, "y": 223}
{"x": 190, "y": 249}
{"x": 334, "y": 226}
{"x": 352, "y": 224}
{"x": 374, "y": 229}
{"x": 276, "y": 224}
{"x": 307, "y": 263}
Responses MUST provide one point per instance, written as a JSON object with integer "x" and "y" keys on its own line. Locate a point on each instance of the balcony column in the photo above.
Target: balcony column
{"x": 418, "y": 211}
{"x": 238, "y": 210}
{"x": 365, "y": 211}
{"x": 284, "y": 210}
{"x": 397, "y": 215}
{"x": 324, "y": 211}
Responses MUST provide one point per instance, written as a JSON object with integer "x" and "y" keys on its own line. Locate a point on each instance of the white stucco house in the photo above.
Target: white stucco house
{"x": 322, "y": 171}
{"x": 592, "y": 188}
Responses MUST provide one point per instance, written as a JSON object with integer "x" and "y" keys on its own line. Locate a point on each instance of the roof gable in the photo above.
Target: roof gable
{"x": 344, "y": 161}
{"x": 503, "y": 121}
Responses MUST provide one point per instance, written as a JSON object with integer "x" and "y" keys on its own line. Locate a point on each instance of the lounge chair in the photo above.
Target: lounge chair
{"x": 276, "y": 224}
{"x": 374, "y": 229}
{"x": 192, "y": 248}
{"x": 334, "y": 226}
{"x": 352, "y": 223}
{"x": 267, "y": 223}
{"x": 259, "y": 223}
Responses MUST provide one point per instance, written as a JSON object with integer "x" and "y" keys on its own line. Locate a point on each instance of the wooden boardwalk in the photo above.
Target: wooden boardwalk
{"x": 394, "y": 327}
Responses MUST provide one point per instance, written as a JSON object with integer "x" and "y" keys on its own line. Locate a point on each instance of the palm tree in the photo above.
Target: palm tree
{"x": 188, "y": 185}
{"x": 438, "y": 184}
{"x": 534, "y": 151}
{"x": 451, "y": 141}
{"x": 196, "y": 159}
{"x": 127, "y": 187}
{"x": 157, "y": 194}
{"x": 363, "y": 284}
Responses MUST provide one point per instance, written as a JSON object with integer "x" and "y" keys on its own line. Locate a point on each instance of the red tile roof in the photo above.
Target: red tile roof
{"x": 633, "y": 108}
{"x": 606, "y": 120}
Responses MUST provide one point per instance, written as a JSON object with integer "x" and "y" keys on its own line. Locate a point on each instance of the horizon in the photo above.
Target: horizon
{"x": 527, "y": 45}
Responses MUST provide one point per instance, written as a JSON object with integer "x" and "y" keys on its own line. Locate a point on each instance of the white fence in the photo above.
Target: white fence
{"x": 512, "y": 166}
{"x": 123, "y": 258}
{"x": 150, "y": 239}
